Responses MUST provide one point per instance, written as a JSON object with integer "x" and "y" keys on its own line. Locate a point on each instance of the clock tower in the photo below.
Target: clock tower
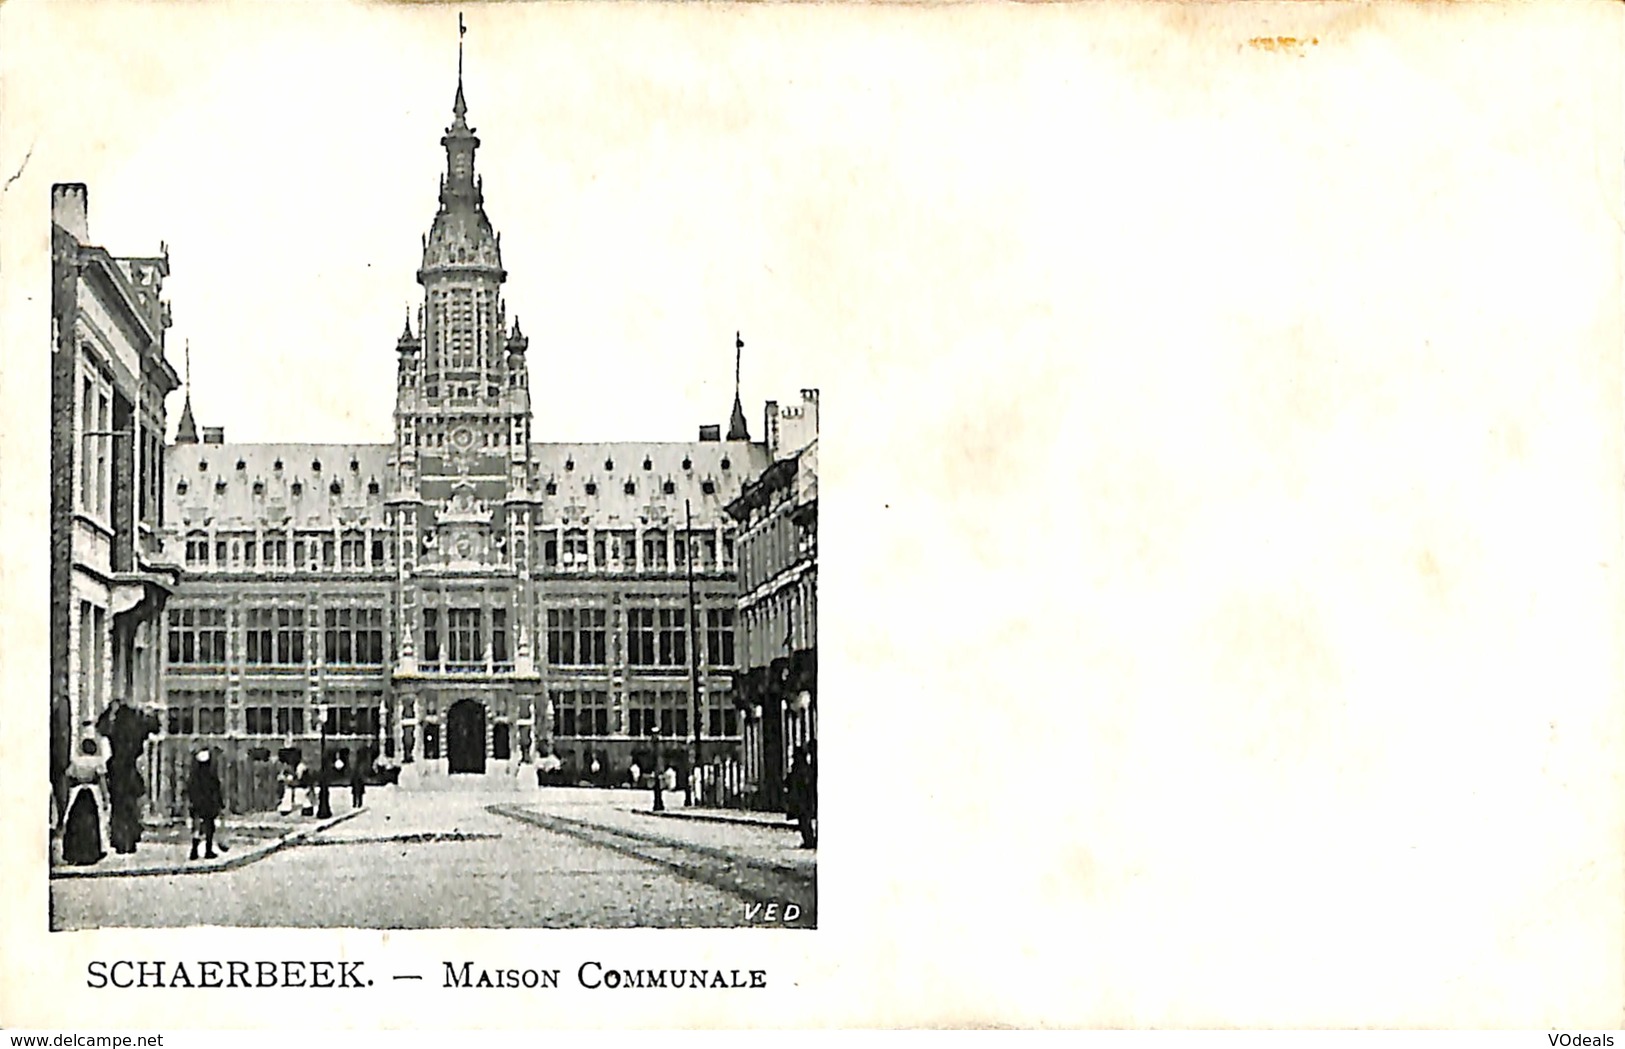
{"x": 463, "y": 503}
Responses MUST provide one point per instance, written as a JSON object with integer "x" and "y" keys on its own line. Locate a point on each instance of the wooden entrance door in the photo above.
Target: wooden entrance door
{"x": 465, "y": 737}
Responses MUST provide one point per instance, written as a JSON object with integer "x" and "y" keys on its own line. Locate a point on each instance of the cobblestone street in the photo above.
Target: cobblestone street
{"x": 557, "y": 858}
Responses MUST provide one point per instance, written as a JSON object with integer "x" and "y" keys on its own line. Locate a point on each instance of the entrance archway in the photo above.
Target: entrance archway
{"x": 465, "y": 737}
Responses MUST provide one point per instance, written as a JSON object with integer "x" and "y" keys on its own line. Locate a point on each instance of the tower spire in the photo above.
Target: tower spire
{"x": 459, "y": 107}
{"x": 186, "y": 430}
{"x": 737, "y": 428}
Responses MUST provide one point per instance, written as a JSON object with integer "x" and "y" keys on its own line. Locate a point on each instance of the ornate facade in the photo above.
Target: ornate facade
{"x": 109, "y": 380}
{"x": 777, "y": 514}
{"x": 462, "y": 599}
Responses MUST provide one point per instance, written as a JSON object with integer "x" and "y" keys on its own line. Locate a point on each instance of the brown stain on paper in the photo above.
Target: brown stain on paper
{"x": 1293, "y": 45}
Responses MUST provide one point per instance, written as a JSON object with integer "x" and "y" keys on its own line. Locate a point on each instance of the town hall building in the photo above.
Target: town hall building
{"x": 462, "y": 600}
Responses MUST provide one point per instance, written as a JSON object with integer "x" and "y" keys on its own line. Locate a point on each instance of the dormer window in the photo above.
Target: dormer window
{"x": 688, "y": 464}
{"x": 259, "y": 487}
{"x": 569, "y": 464}
{"x": 180, "y": 489}
{"x": 277, "y": 465}
{"x": 355, "y": 465}
{"x": 372, "y": 487}
{"x": 219, "y": 487}
{"x": 648, "y": 464}
{"x": 631, "y": 489}
{"x": 552, "y": 488}
{"x": 241, "y": 465}
{"x": 335, "y": 488}
{"x": 726, "y": 463}
{"x": 669, "y": 488}
{"x": 609, "y": 465}
{"x": 592, "y": 488}
{"x": 708, "y": 487}
{"x": 202, "y": 465}
{"x": 298, "y": 489}
{"x": 316, "y": 465}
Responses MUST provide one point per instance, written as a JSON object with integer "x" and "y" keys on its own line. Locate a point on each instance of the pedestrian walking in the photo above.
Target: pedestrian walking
{"x": 285, "y": 784}
{"x": 801, "y": 794}
{"x": 126, "y": 730}
{"x": 307, "y": 790}
{"x": 83, "y": 832}
{"x": 637, "y": 775}
{"x": 671, "y": 778}
{"x": 204, "y": 798}
{"x": 358, "y": 784}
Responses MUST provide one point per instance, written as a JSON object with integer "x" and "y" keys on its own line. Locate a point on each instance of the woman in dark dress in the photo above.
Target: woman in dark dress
{"x": 204, "y": 798}
{"x": 82, "y": 831}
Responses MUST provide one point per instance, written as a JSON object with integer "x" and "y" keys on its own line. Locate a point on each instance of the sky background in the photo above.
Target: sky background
{"x": 1220, "y": 457}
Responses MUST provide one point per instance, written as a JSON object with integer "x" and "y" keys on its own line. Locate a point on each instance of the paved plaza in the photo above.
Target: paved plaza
{"x": 558, "y": 858}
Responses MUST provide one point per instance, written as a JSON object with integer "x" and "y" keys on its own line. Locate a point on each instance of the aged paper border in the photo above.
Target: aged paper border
{"x": 1244, "y": 652}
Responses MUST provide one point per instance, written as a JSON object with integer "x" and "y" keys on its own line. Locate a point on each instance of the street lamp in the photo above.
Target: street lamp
{"x": 324, "y": 806}
{"x": 660, "y": 799}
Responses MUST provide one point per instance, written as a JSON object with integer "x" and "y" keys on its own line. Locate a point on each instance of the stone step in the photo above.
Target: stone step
{"x": 423, "y": 777}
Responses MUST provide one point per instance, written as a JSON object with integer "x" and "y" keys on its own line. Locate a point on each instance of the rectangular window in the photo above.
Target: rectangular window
{"x": 258, "y": 721}
{"x": 275, "y": 636}
{"x": 431, "y": 635}
{"x": 220, "y": 553}
{"x": 654, "y": 551}
{"x": 87, "y": 423}
{"x": 577, "y": 636}
{"x": 463, "y": 625}
{"x": 275, "y": 552}
{"x": 182, "y": 721}
{"x": 299, "y": 559}
{"x": 377, "y": 553}
{"x": 327, "y": 553}
{"x": 102, "y": 441}
{"x": 197, "y": 635}
{"x": 248, "y": 553}
{"x": 290, "y": 721}
{"x": 499, "y": 635}
{"x": 640, "y": 636}
{"x": 673, "y": 637}
{"x": 353, "y": 552}
{"x": 719, "y": 637}
{"x": 199, "y": 712}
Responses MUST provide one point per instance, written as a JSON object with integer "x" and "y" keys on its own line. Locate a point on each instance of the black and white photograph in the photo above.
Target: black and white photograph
{"x": 421, "y": 611}
{"x": 475, "y": 672}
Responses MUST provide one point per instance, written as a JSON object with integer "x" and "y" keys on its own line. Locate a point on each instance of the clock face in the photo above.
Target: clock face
{"x": 462, "y": 438}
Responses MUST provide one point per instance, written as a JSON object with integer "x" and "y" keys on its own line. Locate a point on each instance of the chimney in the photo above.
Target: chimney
{"x": 70, "y": 209}
{"x": 711, "y": 433}
{"x": 214, "y": 435}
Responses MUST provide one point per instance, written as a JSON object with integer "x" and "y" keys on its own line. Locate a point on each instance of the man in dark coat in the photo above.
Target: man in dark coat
{"x": 126, "y": 729}
{"x": 801, "y": 790}
{"x": 203, "y": 796}
{"x": 358, "y": 780}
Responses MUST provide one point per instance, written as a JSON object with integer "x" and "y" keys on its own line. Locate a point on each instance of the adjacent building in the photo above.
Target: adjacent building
{"x": 777, "y": 514}
{"x": 110, "y": 579}
{"x": 461, "y": 600}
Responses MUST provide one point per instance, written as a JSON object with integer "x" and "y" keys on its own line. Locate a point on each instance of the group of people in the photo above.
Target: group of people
{"x": 99, "y": 785}
{"x": 297, "y": 786}
{"x": 103, "y": 787}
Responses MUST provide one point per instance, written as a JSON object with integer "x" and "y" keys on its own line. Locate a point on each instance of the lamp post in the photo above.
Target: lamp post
{"x": 324, "y": 805}
{"x": 660, "y": 799}
{"x": 693, "y": 654}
